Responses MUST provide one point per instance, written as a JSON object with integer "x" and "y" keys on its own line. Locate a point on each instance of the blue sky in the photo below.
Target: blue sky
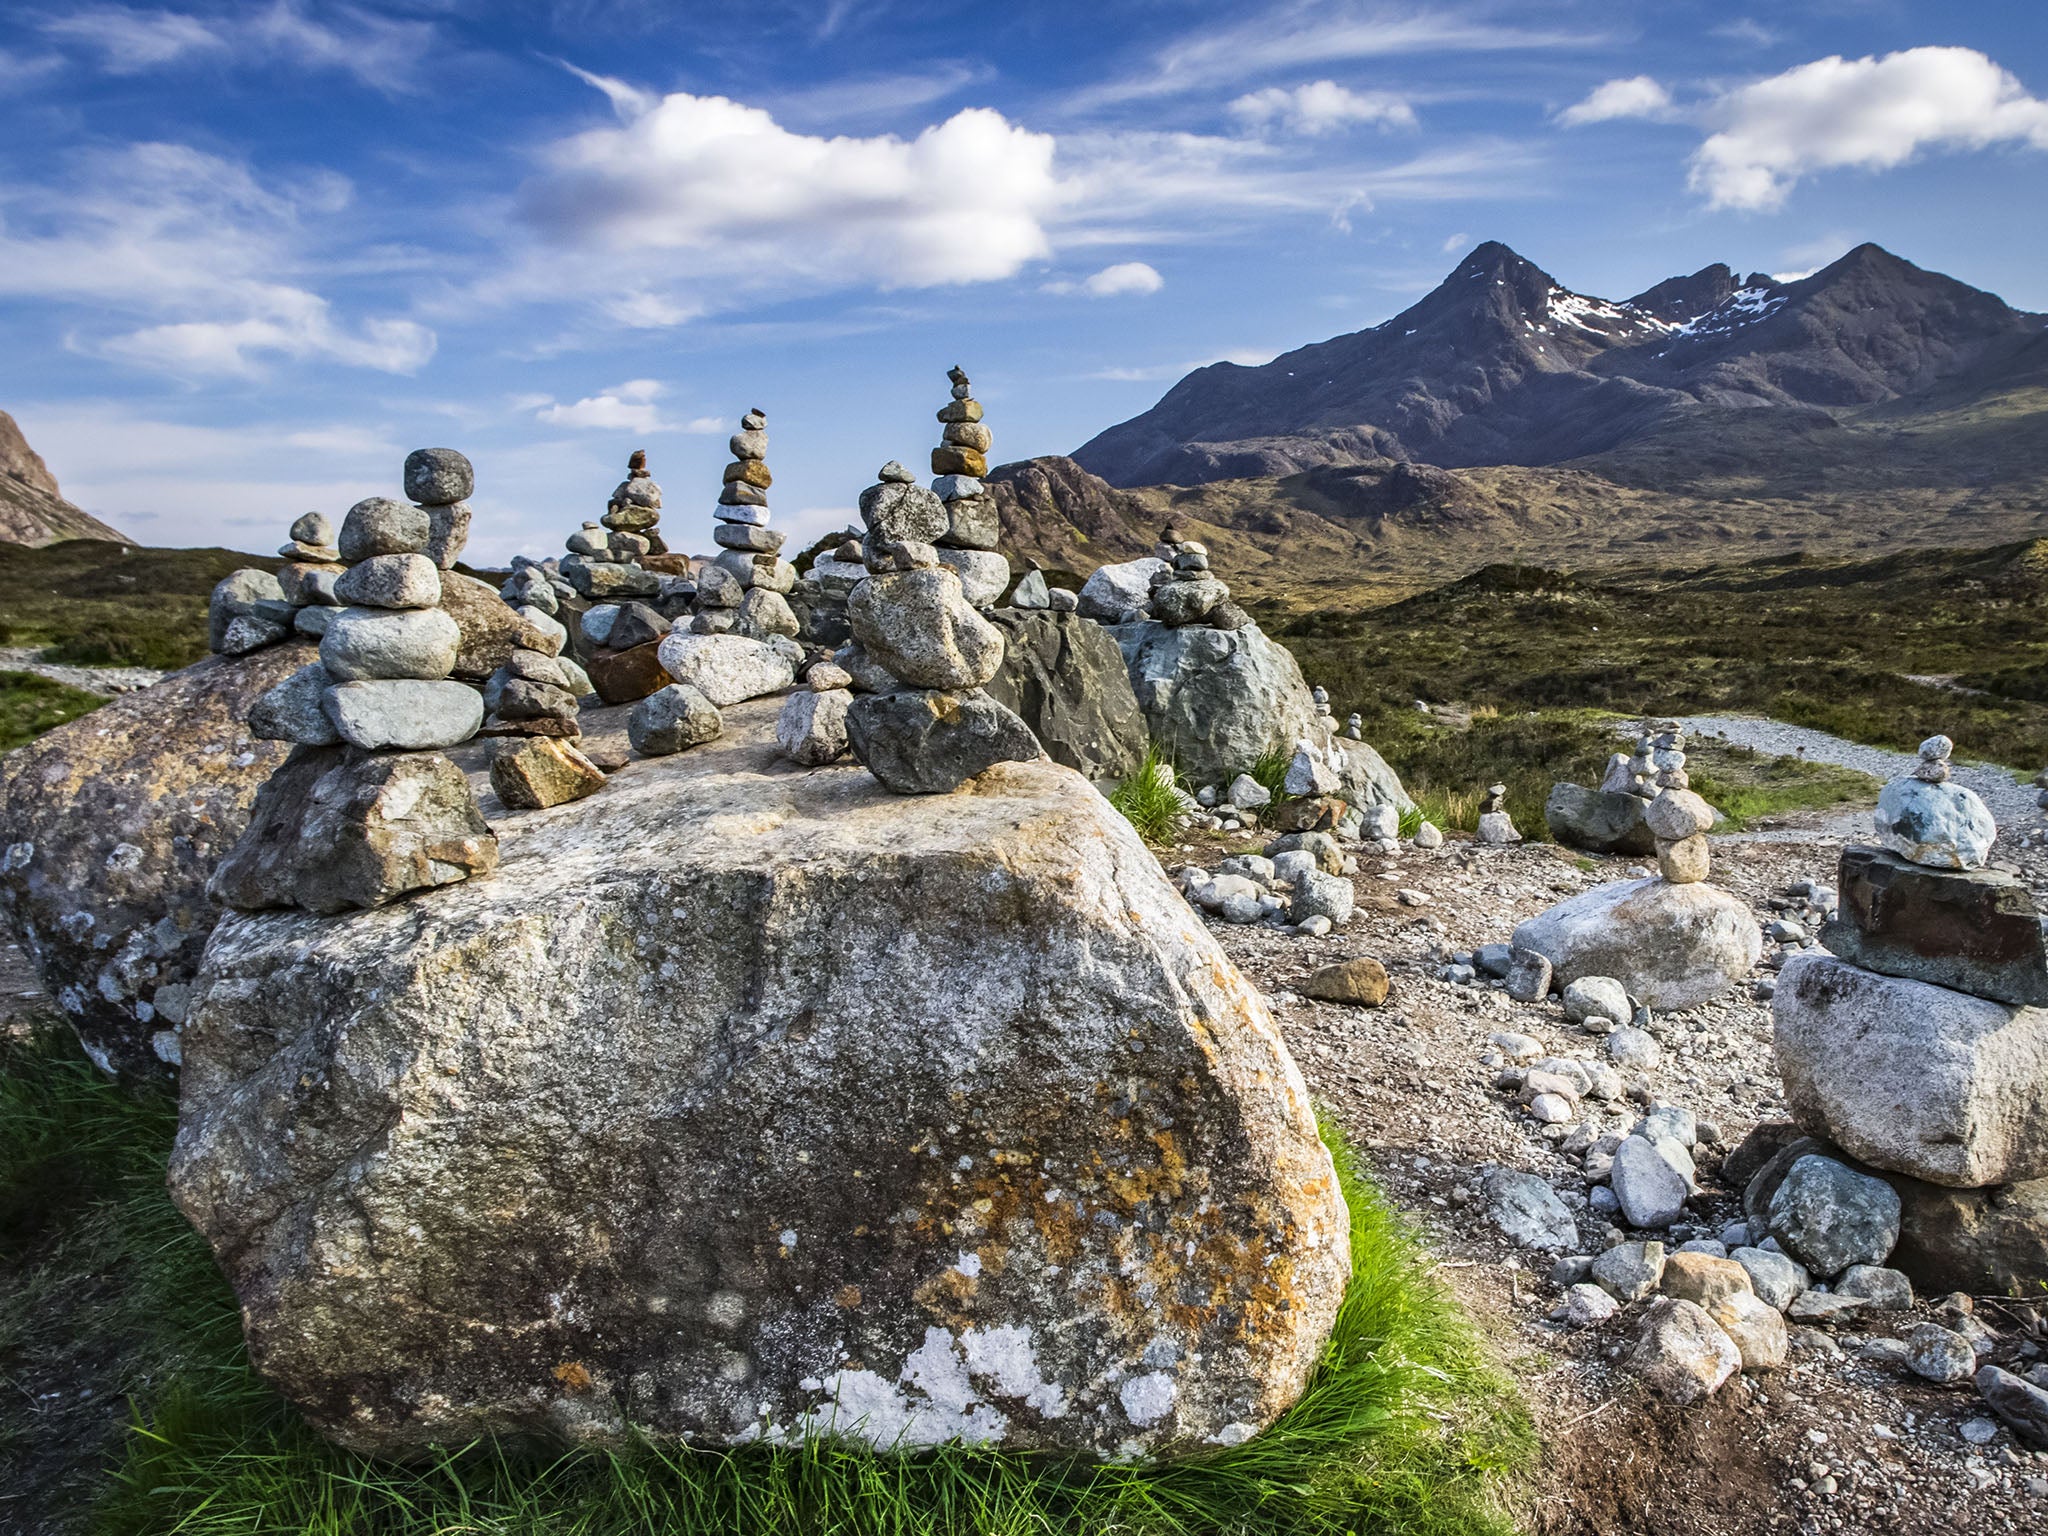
{"x": 252, "y": 253}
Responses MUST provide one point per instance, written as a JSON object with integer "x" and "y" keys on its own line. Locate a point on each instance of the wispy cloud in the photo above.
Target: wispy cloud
{"x": 1153, "y": 373}
{"x": 1124, "y": 277}
{"x": 1636, "y": 96}
{"x": 629, "y": 407}
{"x": 1320, "y": 107}
{"x": 379, "y": 51}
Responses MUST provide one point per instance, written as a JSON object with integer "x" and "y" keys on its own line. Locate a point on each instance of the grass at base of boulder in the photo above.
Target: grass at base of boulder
{"x": 31, "y": 705}
{"x": 1150, "y": 798}
{"x": 1405, "y": 1427}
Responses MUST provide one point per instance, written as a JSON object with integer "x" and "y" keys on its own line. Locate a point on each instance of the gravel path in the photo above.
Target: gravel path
{"x": 101, "y": 680}
{"x": 2012, "y": 805}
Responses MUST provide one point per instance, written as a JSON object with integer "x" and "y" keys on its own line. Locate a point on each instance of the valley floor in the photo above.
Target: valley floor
{"x": 1407, "y": 1081}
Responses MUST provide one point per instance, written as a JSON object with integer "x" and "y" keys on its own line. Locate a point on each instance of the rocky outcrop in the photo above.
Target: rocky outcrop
{"x": 1913, "y": 1078}
{"x": 1215, "y": 700}
{"x": 1671, "y": 946}
{"x": 1064, "y": 676}
{"x": 32, "y": 510}
{"x": 744, "y": 1104}
{"x": 112, "y": 826}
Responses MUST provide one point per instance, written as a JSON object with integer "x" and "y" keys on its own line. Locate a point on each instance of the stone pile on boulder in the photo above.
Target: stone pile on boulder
{"x": 749, "y": 551}
{"x": 689, "y": 1124}
{"x": 1610, "y": 819}
{"x": 812, "y": 727}
{"x": 251, "y": 608}
{"x": 1919, "y": 1046}
{"x": 634, "y": 510}
{"x": 604, "y": 562}
{"x": 819, "y": 597}
{"x": 366, "y": 809}
{"x": 969, "y": 544}
{"x": 531, "y": 703}
{"x": 927, "y": 724}
{"x": 1496, "y": 826}
{"x": 1185, "y": 591}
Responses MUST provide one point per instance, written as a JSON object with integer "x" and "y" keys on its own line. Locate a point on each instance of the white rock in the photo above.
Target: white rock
{"x": 1672, "y": 946}
{"x": 1114, "y": 589}
{"x": 1944, "y": 826}
{"x": 726, "y": 668}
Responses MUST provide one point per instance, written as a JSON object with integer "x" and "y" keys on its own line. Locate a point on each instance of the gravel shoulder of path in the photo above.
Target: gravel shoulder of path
{"x": 106, "y": 681}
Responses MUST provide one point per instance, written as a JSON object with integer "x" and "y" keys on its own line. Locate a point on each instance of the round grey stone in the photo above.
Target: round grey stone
{"x": 380, "y": 526}
{"x": 438, "y": 477}
{"x": 390, "y": 581}
{"x": 366, "y": 643}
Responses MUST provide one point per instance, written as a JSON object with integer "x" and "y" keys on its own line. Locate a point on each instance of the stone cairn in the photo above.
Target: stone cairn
{"x": 1496, "y": 827}
{"x": 1677, "y": 818}
{"x": 742, "y": 590}
{"x": 604, "y": 562}
{"x": 925, "y": 725}
{"x": 1185, "y": 591}
{"x": 251, "y": 609}
{"x": 1917, "y": 1046}
{"x": 967, "y": 545}
{"x": 532, "y": 705}
{"x": 375, "y": 811}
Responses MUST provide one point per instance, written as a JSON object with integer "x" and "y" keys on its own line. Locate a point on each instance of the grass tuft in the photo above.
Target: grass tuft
{"x": 1405, "y": 1428}
{"x": 1151, "y": 798}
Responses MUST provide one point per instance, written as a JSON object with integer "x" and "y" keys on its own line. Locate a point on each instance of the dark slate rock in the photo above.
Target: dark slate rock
{"x": 1597, "y": 820}
{"x": 930, "y": 742}
{"x": 1973, "y": 931}
{"x": 1828, "y": 1216}
{"x": 1064, "y": 677}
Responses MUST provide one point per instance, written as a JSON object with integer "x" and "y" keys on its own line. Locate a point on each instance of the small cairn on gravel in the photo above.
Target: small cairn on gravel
{"x": 935, "y": 727}
{"x": 251, "y": 609}
{"x": 1300, "y": 883}
{"x": 1496, "y": 827}
{"x": 368, "y": 809}
{"x": 749, "y": 551}
{"x": 968, "y": 547}
{"x": 1185, "y": 591}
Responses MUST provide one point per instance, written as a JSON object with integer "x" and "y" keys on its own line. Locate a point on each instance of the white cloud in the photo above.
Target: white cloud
{"x": 1123, "y": 277}
{"x": 1454, "y": 243}
{"x": 1322, "y": 106}
{"x": 628, "y": 407}
{"x": 1636, "y": 96}
{"x": 195, "y": 245}
{"x": 1153, "y": 373}
{"x": 1868, "y": 113}
{"x": 380, "y": 52}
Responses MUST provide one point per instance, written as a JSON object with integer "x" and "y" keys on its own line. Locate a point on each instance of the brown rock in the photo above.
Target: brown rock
{"x": 337, "y": 828}
{"x": 1702, "y": 1278}
{"x": 620, "y": 677}
{"x": 749, "y": 472}
{"x": 1361, "y": 981}
{"x": 948, "y": 460}
{"x": 537, "y": 772}
{"x": 112, "y": 826}
{"x": 1984, "y": 1241}
{"x": 1687, "y": 861}
{"x": 1311, "y": 813}
{"x": 491, "y": 627}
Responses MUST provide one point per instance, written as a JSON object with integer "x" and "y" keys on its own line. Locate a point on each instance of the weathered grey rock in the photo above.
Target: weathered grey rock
{"x": 1913, "y": 1078}
{"x": 1528, "y": 1211}
{"x": 1672, "y": 946}
{"x": 973, "y": 522}
{"x": 599, "y": 580}
{"x": 597, "y": 1125}
{"x": 508, "y": 698}
{"x": 1188, "y": 602}
{"x": 1939, "y": 1355}
{"x": 1984, "y": 1241}
{"x": 1887, "y": 1290}
{"x": 1828, "y": 1216}
{"x": 380, "y": 526}
{"x": 447, "y": 535}
{"x": 335, "y": 830}
{"x": 1216, "y": 701}
{"x": 812, "y": 726}
{"x": 763, "y": 613}
{"x": 436, "y": 477}
{"x": 531, "y": 773}
{"x": 1590, "y": 997}
{"x": 928, "y": 742}
{"x": 237, "y": 596}
{"x": 1630, "y": 1271}
{"x": 1598, "y": 820}
{"x": 110, "y": 827}
{"x": 634, "y": 624}
{"x": 1114, "y": 590}
{"x": 313, "y": 528}
{"x": 868, "y": 676}
{"x": 1585, "y": 1306}
{"x": 2022, "y": 1405}
{"x": 1974, "y": 932}
{"x": 252, "y": 632}
{"x": 366, "y": 643}
{"x": 903, "y": 513}
{"x": 1634, "y": 1050}
{"x": 1031, "y": 592}
{"x": 1677, "y": 815}
{"x": 726, "y": 668}
{"x": 1528, "y": 975}
{"x": 1681, "y": 1354}
{"x": 390, "y": 581}
{"x": 1317, "y": 894}
{"x": 1778, "y": 1278}
{"x": 303, "y": 583}
{"x": 672, "y": 719}
{"x": 920, "y": 626}
{"x": 1064, "y": 677}
{"x": 983, "y": 573}
{"x": 489, "y": 630}
{"x": 1944, "y": 826}
{"x": 294, "y": 710}
{"x": 413, "y": 715}
{"x": 766, "y": 571}
{"x": 1652, "y": 1192}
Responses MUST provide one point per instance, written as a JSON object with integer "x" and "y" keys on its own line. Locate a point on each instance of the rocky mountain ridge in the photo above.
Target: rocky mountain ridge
{"x": 33, "y": 510}
{"x": 1501, "y": 364}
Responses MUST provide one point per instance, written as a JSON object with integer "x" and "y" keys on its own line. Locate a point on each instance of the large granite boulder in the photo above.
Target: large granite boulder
{"x": 1911, "y": 1077}
{"x": 1365, "y": 778}
{"x": 1216, "y": 700}
{"x": 1064, "y": 676}
{"x": 111, "y": 826}
{"x": 1975, "y": 931}
{"x": 1985, "y": 1241}
{"x": 1598, "y": 820}
{"x": 749, "y": 1105}
{"x": 1671, "y": 946}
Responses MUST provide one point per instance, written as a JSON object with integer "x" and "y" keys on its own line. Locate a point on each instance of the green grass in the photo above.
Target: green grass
{"x": 31, "y": 705}
{"x": 1405, "y": 1427}
{"x": 1270, "y": 772}
{"x": 1150, "y": 799}
{"x": 93, "y": 603}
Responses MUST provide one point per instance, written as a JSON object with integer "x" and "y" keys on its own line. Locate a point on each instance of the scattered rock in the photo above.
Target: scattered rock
{"x": 673, "y": 719}
{"x": 1673, "y": 946}
{"x": 531, "y": 773}
{"x": 1362, "y": 981}
{"x": 1651, "y": 1191}
{"x": 1681, "y": 1354}
{"x": 1528, "y": 1211}
{"x": 1828, "y": 1216}
{"x": 2023, "y": 1405}
{"x": 1937, "y": 1354}
{"x": 1755, "y": 1327}
{"x": 1630, "y": 1271}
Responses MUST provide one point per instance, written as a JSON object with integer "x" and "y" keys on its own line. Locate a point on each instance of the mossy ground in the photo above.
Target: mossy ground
{"x": 1405, "y": 1428}
{"x": 31, "y": 705}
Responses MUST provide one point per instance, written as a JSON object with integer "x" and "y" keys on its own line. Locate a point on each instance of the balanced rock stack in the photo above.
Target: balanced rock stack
{"x": 936, "y": 727}
{"x": 1610, "y": 819}
{"x": 1919, "y": 1046}
{"x": 532, "y": 704}
{"x": 251, "y": 608}
{"x": 604, "y": 559}
{"x": 812, "y": 727}
{"x": 368, "y": 810}
{"x": 635, "y": 507}
{"x": 1496, "y": 827}
{"x": 967, "y": 544}
{"x": 749, "y": 550}
{"x": 1185, "y": 591}
{"x": 819, "y": 598}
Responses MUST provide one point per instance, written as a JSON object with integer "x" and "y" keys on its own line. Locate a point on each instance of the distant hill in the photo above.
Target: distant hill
{"x": 32, "y": 510}
{"x": 1501, "y": 364}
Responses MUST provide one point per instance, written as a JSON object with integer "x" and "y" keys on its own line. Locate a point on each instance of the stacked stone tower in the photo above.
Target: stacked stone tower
{"x": 1185, "y": 591}
{"x": 967, "y": 545}
{"x": 749, "y": 550}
